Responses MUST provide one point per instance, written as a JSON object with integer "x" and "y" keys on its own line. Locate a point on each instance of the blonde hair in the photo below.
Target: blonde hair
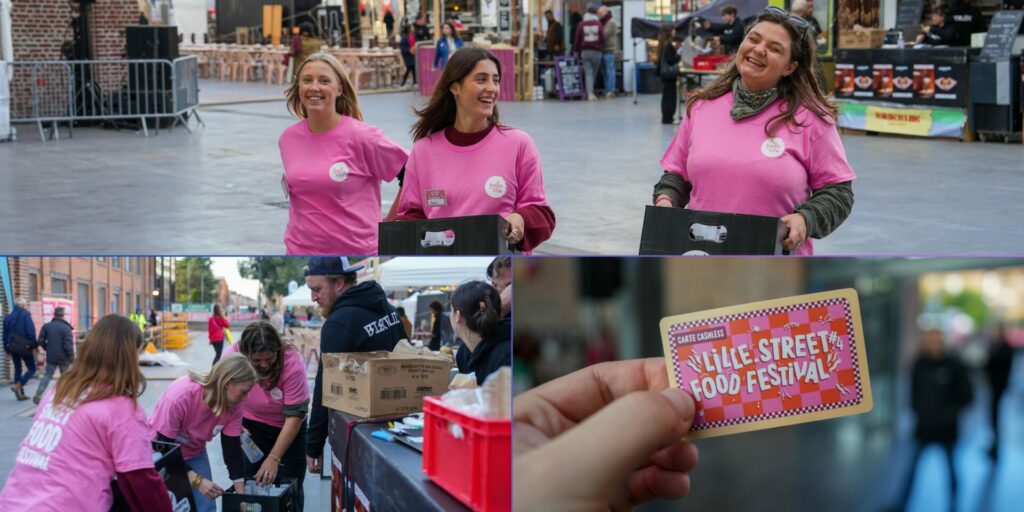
{"x": 232, "y": 369}
{"x": 107, "y": 364}
{"x": 347, "y": 103}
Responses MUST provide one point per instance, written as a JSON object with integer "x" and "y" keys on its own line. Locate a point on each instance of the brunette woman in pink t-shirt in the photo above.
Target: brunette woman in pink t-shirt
{"x": 334, "y": 164}
{"x": 215, "y": 330}
{"x": 197, "y": 407}
{"x": 762, "y": 138}
{"x": 464, "y": 162}
{"x": 88, "y": 430}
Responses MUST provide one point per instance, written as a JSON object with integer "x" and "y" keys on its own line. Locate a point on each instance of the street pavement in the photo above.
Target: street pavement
{"x": 217, "y": 190}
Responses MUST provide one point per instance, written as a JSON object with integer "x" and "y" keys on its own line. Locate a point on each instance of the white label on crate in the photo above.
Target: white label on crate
{"x": 179, "y": 505}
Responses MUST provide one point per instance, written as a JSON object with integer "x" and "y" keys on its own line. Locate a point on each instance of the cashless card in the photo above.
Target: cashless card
{"x": 770, "y": 364}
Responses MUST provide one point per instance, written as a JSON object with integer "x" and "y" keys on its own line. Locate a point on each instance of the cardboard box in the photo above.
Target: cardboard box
{"x": 477, "y": 235}
{"x": 694, "y": 232}
{"x": 371, "y": 384}
{"x": 868, "y": 38}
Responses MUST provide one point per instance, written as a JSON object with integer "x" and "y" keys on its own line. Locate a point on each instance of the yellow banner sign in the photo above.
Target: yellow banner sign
{"x": 899, "y": 120}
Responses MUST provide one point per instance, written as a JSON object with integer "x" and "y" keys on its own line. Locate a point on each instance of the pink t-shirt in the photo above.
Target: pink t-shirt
{"x": 498, "y": 175}
{"x": 333, "y": 181}
{"x": 69, "y": 457}
{"x": 267, "y": 406}
{"x": 735, "y": 168}
{"x": 182, "y": 415}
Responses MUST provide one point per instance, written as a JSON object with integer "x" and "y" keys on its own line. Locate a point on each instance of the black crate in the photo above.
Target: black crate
{"x": 673, "y": 230}
{"x": 286, "y": 502}
{"x": 171, "y": 466}
{"x": 479, "y": 235}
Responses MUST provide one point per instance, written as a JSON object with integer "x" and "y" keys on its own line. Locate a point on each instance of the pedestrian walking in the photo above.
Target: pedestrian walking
{"x": 20, "y": 342}
{"x": 57, "y": 338}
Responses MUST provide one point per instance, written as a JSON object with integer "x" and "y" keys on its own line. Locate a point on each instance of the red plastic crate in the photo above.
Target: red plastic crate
{"x": 467, "y": 456}
{"x": 709, "y": 62}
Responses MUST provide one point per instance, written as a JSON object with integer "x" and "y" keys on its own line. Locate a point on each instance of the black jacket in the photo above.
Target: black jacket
{"x": 730, "y": 35}
{"x": 361, "y": 320}
{"x": 491, "y": 354}
{"x": 945, "y": 34}
{"x": 670, "y": 57}
{"x": 1000, "y": 361}
{"x": 58, "y": 339}
{"x": 940, "y": 389}
{"x": 967, "y": 21}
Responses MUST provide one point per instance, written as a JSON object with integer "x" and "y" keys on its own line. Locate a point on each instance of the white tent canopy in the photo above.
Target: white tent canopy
{"x": 300, "y": 297}
{"x": 418, "y": 272}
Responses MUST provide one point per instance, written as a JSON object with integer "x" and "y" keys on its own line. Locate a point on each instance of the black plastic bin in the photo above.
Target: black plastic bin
{"x": 680, "y": 231}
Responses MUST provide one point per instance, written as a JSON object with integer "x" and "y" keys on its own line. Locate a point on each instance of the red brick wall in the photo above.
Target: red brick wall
{"x": 39, "y": 27}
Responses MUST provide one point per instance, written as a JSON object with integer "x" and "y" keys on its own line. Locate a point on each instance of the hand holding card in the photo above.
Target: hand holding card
{"x": 770, "y": 364}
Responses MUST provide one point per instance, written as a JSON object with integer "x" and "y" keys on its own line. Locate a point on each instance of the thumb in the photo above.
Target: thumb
{"x": 624, "y": 435}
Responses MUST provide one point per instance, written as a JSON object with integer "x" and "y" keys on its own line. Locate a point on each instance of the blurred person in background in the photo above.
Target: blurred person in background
{"x": 20, "y": 332}
{"x": 406, "y": 324}
{"x": 58, "y": 340}
{"x": 440, "y": 327}
{"x": 997, "y": 369}
{"x": 940, "y": 390}
{"x": 215, "y": 330}
{"x": 499, "y": 272}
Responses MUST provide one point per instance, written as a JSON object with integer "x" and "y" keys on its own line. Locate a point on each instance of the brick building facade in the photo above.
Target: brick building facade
{"x": 40, "y": 27}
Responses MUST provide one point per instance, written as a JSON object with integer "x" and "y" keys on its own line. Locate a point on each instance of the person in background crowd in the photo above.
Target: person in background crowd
{"x": 140, "y": 320}
{"x": 576, "y": 417}
{"x": 940, "y": 390}
{"x": 554, "y": 37}
{"x": 486, "y": 336}
{"x": 589, "y": 43}
{"x": 102, "y": 434}
{"x": 407, "y": 44}
{"x": 19, "y": 328}
{"x": 441, "y": 332}
{"x": 278, "y": 321}
{"x": 941, "y": 32}
{"x": 730, "y": 32}
{"x": 153, "y": 322}
{"x": 967, "y": 19}
{"x": 389, "y": 22}
{"x": 215, "y": 329}
{"x": 274, "y": 412}
{"x": 465, "y": 162}
{"x": 420, "y": 28}
{"x": 767, "y": 142}
{"x": 500, "y": 274}
{"x": 446, "y": 45}
{"x": 58, "y": 340}
{"x": 406, "y": 324}
{"x": 609, "y": 48}
{"x": 333, "y": 164}
{"x": 668, "y": 71}
{"x": 997, "y": 370}
{"x": 193, "y": 410}
{"x": 357, "y": 318}
{"x": 805, "y": 10}
{"x": 575, "y": 18}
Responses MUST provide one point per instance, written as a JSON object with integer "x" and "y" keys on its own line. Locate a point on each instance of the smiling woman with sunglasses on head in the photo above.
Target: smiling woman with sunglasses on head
{"x": 762, "y": 139}
{"x": 465, "y": 163}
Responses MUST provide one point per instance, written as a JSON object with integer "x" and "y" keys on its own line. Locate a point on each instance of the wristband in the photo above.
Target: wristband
{"x": 197, "y": 481}
{"x": 275, "y": 457}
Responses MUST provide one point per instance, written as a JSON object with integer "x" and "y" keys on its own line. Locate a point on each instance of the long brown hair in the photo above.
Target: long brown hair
{"x": 107, "y": 364}
{"x": 664, "y": 39}
{"x": 439, "y": 112}
{"x": 347, "y": 103}
{"x": 217, "y": 311}
{"x": 262, "y": 337}
{"x": 800, "y": 89}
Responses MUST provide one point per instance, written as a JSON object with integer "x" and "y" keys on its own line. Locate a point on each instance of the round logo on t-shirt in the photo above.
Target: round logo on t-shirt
{"x": 339, "y": 172}
{"x": 495, "y": 186}
{"x": 217, "y": 429}
{"x": 276, "y": 394}
{"x": 773, "y": 147}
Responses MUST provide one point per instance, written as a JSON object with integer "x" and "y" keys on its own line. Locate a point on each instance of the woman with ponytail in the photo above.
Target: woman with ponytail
{"x": 486, "y": 336}
{"x": 197, "y": 407}
{"x": 333, "y": 164}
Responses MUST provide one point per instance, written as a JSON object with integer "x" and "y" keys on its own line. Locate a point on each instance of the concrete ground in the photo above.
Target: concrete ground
{"x": 16, "y": 419}
{"x": 217, "y": 190}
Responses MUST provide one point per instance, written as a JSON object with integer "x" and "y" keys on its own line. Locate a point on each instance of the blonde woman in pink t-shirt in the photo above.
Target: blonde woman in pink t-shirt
{"x": 88, "y": 430}
{"x": 464, "y": 162}
{"x": 762, "y": 138}
{"x": 197, "y": 407}
{"x": 333, "y": 164}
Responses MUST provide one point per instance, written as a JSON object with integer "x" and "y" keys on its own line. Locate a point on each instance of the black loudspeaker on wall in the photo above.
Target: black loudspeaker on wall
{"x": 151, "y": 42}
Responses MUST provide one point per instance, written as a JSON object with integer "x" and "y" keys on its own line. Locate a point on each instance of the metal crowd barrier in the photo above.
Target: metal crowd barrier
{"x": 53, "y": 92}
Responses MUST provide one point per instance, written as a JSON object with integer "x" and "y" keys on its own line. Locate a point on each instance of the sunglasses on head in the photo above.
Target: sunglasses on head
{"x": 798, "y": 22}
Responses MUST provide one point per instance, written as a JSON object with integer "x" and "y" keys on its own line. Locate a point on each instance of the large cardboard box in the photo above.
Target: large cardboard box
{"x": 371, "y": 384}
{"x": 477, "y": 235}
{"x": 868, "y": 38}
{"x": 669, "y": 231}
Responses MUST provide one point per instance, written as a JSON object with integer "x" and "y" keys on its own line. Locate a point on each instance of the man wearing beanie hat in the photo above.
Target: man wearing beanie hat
{"x": 357, "y": 318}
